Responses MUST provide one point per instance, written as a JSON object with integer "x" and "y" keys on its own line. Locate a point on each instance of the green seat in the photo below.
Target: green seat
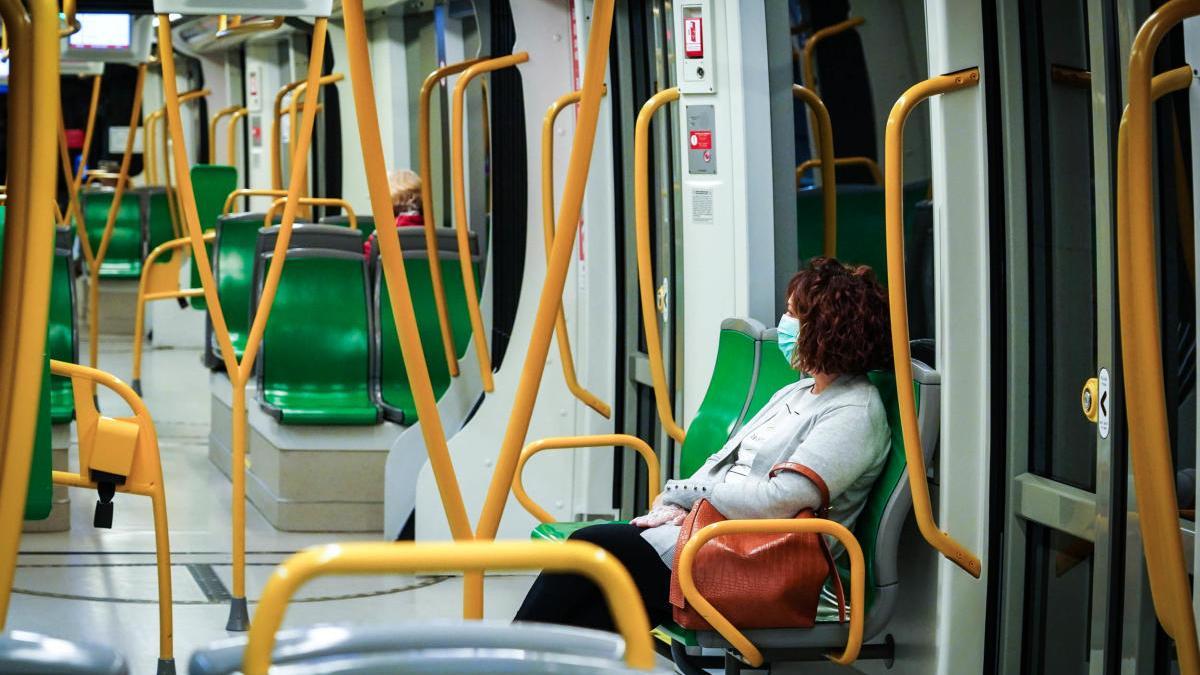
{"x": 157, "y": 208}
{"x": 233, "y": 270}
{"x": 211, "y": 184}
{"x": 366, "y": 224}
{"x": 860, "y": 223}
{"x": 127, "y": 245}
{"x": 315, "y": 366}
{"x": 392, "y": 391}
{"x": 561, "y": 531}
{"x": 62, "y": 340}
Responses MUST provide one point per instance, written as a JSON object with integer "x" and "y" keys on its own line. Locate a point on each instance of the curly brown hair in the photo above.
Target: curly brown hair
{"x": 843, "y": 313}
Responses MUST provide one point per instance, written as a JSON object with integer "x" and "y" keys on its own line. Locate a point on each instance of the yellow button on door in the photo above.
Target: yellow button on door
{"x": 1090, "y": 399}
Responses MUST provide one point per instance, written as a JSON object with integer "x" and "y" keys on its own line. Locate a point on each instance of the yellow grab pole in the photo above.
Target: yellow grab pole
{"x": 352, "y": 219}
{"x": 810, "y": 52}
{"x": 113, "y": 208}
{"x": 72, "y": 23}
{"x": 551, "y": 295}
{"x": 828, "y": 180}
{"x": 393, "y": 270}
{"x": 76, "y": 181}
{"x": 775, "y": 526}
{"x": 238, "y": 28}
{"x": 1145, "y": 401}
{"x": 866, "y": 162}
{"x": 231, "y": 140}
{"x": 26, "y": 275}
{"x": 172, "y": 200}
{"x": 427, "y": 213}
{"x": 146, "y": 295}
{"x": 641, "y": 208}
{"x": 239, "y": 372}
{"x": 462, "y": 227}
{"x": 149, "y": 155}
{"x": 600, "y": 440}
{"x": 593, "y": 562}
{"x": 893, "y": 156}
{"x": 277, "y": 133}
{"x": 249, "y": 192}
{"x": 72, "y": 203}
{"x": 560, "y": 322}
{"x": 212, "y": 130}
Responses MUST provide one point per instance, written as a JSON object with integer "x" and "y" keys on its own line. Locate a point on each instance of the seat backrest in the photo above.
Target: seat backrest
{"x": 366, "y": 222}
{"x": 157, "y": 209}
{"x": 62, "y": 340}
{"x": 860, "y": 223}
{"x": 391, "y": 388}
{"x": 127, "y": 245}
{"x": 233, "y": 270}
{"x": 39, "y": 497}
{"x": 729, "y": 389}
{"x": 25, "y": 652}
{"x": 211, "y": 185}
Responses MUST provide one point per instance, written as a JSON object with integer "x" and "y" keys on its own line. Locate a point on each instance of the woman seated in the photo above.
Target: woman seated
{"x": 405, "y": 189}
{"x": 832, "y": 424}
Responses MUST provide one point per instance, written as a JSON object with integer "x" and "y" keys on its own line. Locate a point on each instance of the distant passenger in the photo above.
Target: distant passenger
{"x": 836, "y": 329}
{"x": 406, "y": 203}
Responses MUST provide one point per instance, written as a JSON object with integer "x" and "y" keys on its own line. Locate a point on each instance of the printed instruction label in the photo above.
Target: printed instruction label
{"x": 702, "y": 206}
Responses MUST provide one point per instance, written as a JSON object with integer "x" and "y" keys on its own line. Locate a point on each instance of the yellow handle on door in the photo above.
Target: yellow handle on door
{"x": 1090, "y": 399}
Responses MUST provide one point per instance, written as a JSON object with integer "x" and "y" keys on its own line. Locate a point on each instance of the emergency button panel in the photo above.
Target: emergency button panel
{"x": 702, "y": 152}
{"x": 697, "y": 29}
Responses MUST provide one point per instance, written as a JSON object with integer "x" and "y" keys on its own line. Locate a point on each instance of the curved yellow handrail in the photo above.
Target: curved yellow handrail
{"x": 901, "y": 355}
{"x": 155, "y": 285}
{"x": 239, "y": 371}
{"x": 551, "y": 295}
{"x": 277, "y": 132}
{"x": 810, "y": 51}
{"x": 392, "y": 258}
{"x": 25, "y": 288}
{"x": 231, "y": 139}
{"x": 69, "y": 18}
{"x": 149, "y": 149}
{"x": 260, "y": 26}
{"x": 212, "y": 130}
{"x": 74, "y": 180}
{"x": 269, "y": 217}
{"x": 595, "y": 441}
{"x": 560, "y": 322}
{"x": 641, "y": 208}
{"x": 249, "y": 192}
{"x": 828, "y": 175}
{"x": 870, "y": 164}
{"x": 583, "y": 558}
{"x": 461, "y": 225}
{"x": 1145, "y": 401}
{"x": 775, "y": 526}
{"x": 431, "y": 245}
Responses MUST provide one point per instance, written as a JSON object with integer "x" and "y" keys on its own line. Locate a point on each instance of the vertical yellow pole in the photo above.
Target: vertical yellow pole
{"x": 551, "y": 296}
{"x": 277, "y": 134}
{"x": 26, "y": 289}
{"x": 73, "y": 206}
{"x": 828, "y": 178}
{"x": 231, "y": 147}
{"x": 212, "y": 130}
{"x": 118, "y": 194}
{"x": 393, "y": 270}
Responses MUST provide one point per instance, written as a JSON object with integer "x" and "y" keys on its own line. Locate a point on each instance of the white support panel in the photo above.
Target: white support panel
{"x": 306, "y": 8}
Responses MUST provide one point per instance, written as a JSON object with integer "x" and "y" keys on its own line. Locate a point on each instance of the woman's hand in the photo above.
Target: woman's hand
{"x": 661, "y": 515}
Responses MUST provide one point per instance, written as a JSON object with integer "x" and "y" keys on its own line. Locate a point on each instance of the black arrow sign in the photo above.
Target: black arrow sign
{"x": 1104, "y": 404}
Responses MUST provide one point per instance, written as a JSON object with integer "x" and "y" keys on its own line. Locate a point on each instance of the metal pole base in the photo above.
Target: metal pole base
{"x": 166, "y": 667}
{"x": 239, "y": 616}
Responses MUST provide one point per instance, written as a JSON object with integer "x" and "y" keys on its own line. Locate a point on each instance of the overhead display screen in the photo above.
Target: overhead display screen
{"x": 103, "y": 31}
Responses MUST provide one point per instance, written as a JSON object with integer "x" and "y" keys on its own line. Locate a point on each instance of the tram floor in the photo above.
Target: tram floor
{"x": 100, "y": 585}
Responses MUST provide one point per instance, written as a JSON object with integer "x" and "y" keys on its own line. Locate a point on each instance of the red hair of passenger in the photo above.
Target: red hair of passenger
{"x": 844, "y": 322}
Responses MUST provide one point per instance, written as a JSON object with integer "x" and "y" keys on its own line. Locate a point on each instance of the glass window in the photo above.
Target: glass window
{"x": 1058, "y": 602}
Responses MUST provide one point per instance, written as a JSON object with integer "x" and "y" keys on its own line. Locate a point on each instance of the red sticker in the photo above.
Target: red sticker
{"x": 700, "y": 140}
{"x": 693, "y": 37}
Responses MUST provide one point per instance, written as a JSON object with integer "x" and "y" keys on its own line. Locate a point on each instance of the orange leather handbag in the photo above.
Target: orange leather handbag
{"x": 758, "y": 580}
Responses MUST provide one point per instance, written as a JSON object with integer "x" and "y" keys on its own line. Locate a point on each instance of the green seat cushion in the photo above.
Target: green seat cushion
{"x": 319, "y": 371}
{"x": 860, "y": 223}
{"x": 60, "y": 339}
{"x": 561, "y": 531}
{"x": 123, "y": 259}
{"x": 394, "y": 388}
{"x": 211, "y": 184}
{"x": 724, "y": 401}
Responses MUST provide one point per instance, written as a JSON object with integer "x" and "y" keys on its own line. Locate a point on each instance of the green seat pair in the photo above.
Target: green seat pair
{"x": 391, "y": 388}
{"x": 143, "y": 222}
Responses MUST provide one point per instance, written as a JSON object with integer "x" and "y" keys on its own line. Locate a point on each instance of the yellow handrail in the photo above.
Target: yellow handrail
{"x": 113, "y": 208}
{"x": 276, "y": 131}
{"x": 641, "y": 210}
{"x": 810, "y": 49}
{"x": 775, "y": 526}
{"x": 392, "y": 257}
{"x": 69, "y": 18}
{"x": 551, "y": 296}
{"x": 1149, "y": 437}
{"x": 600, "y": 440}
{"x": 430, "y": 222}
{"x": 260, "y": 26}
{"x": 25, "y": 285}
{"x": 75, "y": 180}
{"x": 269, "y": 217}
{"x": 828, "y": 175}
{"x": 172, "y": 202}
{"x": 593, "y": 562}
{"x": 901, "y": 355}
{"x": 147, "y": 481}
{"x": 462, "y": 226}
{"x": 212, "y": 130}
{"x": 231, "y": 141}
{"x": 239, "y": 372}
{"x": 870, "y": 164}
{"x": 149, "y": 150}
{"x": 249, "y": 192}
{"x": 560, "y": 322}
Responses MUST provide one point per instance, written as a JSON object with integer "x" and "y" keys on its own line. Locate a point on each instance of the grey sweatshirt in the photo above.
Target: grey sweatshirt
{"x": 842, "y": 434}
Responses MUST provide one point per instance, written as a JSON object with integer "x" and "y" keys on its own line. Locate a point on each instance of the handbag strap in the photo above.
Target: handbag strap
{"x": 822, "y": 512}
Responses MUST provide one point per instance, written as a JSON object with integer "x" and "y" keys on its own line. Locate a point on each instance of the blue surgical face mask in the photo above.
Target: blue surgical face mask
{"x": 789, "y": 331}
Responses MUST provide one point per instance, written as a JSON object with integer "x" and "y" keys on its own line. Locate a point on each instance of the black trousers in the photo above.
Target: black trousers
{"x": 575, "y": 600}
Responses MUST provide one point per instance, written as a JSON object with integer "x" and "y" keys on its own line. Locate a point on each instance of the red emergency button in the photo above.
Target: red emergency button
{"x": 700, "y": 140}
{"x": 693, "y": 37}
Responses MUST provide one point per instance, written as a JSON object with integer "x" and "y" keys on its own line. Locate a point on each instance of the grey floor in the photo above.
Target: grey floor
{"x": 99, "y": 585}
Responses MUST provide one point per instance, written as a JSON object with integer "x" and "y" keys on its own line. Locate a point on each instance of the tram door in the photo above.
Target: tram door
{"x": 1074, "y": 596}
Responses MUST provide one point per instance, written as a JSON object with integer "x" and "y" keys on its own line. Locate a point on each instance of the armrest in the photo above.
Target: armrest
{"x": 562, "y": 442}
{"x": 762, "y": 526}
{"x": 182, "y": 242}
